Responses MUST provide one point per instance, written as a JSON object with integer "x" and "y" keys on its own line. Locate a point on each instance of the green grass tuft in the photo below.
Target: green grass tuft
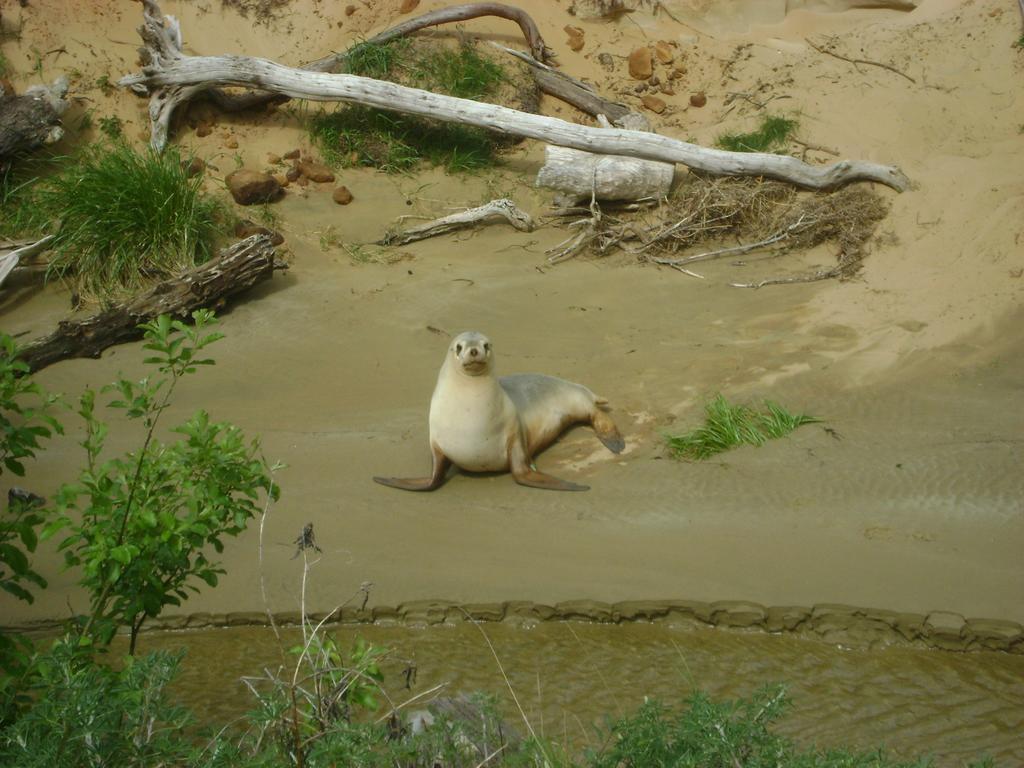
{"x": 127, "y": 218}
{"x": 373, "y": 60}
{"x": 728, "y": 426}
{"x": 463, "y": 73}
{"x": 773, "y": 134}
{"x": 358, "y": 135}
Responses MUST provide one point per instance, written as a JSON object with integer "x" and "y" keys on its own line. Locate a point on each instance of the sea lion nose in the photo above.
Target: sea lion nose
{"x": 473, "y": 352}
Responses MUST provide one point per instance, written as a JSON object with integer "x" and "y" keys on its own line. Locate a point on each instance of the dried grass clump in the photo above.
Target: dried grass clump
{"x": 729, "y": 217}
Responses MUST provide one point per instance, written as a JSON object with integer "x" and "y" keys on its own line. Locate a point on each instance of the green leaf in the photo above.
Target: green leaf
{"x": 14, "y": 558}
{"x": 19, "y": 592}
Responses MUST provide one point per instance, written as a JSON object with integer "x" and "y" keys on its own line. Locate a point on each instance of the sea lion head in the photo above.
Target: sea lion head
{"x": 471, "y": 353}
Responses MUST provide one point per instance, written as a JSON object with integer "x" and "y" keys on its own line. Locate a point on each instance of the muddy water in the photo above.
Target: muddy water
{"x": 568, "y": 676}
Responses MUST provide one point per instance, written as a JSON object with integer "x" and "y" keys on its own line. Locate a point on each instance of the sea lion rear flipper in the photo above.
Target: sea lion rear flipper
{"x": 607, "y": 432}
{"x": 535, "y": 479}
{"x": 436, "y": 479}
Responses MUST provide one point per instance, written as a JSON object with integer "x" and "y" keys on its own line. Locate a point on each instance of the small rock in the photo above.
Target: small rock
{"x": 342, "y": 196}
{"x": 302, "y": 181}
{"x": 654, "y": 104}
{"x": 575, "y": 34}
{"x": 350, "y": 9}
{"x": 246, "y": 228}
{"x": 293, "y": 174}
{"x": 641, "y": 64}
{"x": 675, "y": 74}
{"x": 315, "y": 171}
{"x": 273, "y": 159}
{"x": 664, "y": 53}
{"x": 231, "y": 143}
{"x": 408, "y": 6}
{"x": 640, "y": 88}
{"x": 281, "y": 179}
{"x": 698, "y": 99}
{"x": 667, "y": 89}
{"x": 606, "y": 61}
{"x": 292, "y": 154}
{"x": 654, "y": 82}
{"x": 193, "y": 167}
{"x": 204, "y": 129}
{"x": 252, "y": 187}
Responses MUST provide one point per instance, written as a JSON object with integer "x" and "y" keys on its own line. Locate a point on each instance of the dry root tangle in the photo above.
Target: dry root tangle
{"x": 729, "y": 217}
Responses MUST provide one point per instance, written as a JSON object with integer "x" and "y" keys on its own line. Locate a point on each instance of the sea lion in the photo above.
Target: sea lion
{"x": 481, "y": 423}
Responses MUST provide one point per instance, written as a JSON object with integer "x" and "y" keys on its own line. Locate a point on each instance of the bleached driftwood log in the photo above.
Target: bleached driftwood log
{"x": 578, "y": 176}
{"x": 12, "y": 254}
{"x": 172, "y": 78}
{"x": 503, "y": 208}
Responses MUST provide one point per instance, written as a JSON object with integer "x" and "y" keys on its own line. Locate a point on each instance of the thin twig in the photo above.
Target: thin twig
{"x": 855, "y": 62}
{"x": 823, "y": 274}
{"x": 818, "y": 147}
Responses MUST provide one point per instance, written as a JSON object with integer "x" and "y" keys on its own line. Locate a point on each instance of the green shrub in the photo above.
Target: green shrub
{"x": 727, "y": 426}
{"x": 26, "y": 420}
{"x": 138, "y": 524}
{"x": 772, "y": 135}
{"x": 86, "y": 714}
{"x": 127, "y": 218}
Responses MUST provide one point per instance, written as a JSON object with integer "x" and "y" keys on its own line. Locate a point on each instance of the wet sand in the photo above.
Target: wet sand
{"x": 912, "y": 504}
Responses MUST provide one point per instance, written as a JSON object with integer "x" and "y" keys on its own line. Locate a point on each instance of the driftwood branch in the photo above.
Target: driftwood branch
{"x": 578, "y": 94}
{"x": 503, "y": 208}
{"x": 171, "y": 78}
{"x": 235, "y": 269}
{"x": 465, "y": 12}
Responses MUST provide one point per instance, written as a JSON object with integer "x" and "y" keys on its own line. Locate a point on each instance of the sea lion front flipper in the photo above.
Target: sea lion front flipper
{"x": 535, "y": 479}
{"x": 607, "y": 432}
{"x": 436, "y": 479}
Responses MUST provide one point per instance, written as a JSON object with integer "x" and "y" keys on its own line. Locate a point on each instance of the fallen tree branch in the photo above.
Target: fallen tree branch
{"x": 503, "y": 208}
{"x": 855, "y": 62}
{"x": 234, "y": 102}
{"x": 233, "y": 270}
{"x": 171, "y": 77}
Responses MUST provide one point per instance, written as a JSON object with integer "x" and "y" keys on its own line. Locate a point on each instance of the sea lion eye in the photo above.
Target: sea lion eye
{"x": 458, "y": 349}
{"x": 487, "y": 347}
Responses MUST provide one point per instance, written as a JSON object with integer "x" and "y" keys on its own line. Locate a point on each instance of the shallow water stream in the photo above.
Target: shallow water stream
{"x": 569, "y": 676}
